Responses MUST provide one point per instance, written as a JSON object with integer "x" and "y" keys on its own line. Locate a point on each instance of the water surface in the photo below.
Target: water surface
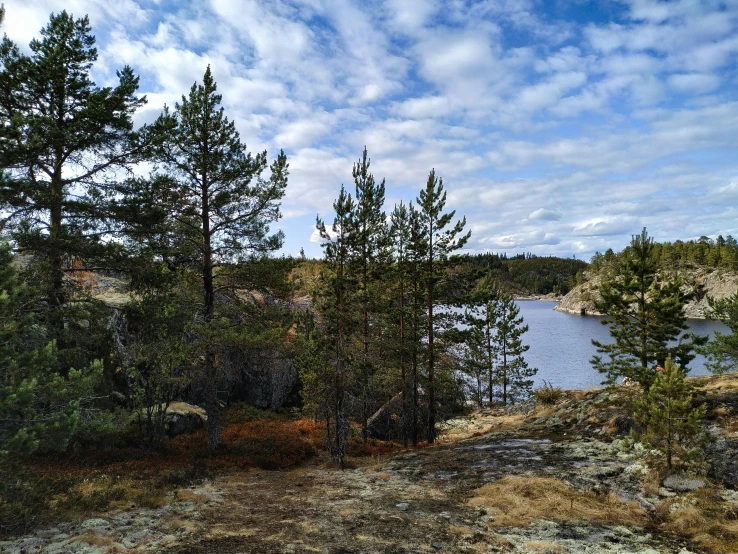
{"x": 561, "y": 344}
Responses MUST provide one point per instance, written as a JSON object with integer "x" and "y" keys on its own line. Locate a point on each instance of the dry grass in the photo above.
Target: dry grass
{"x": 517, "y": 501}
{"x": 94, "y": 539}
{"x": 544, "y": 547}
{"x": 718, "y": 383}
{"x": 703, "y": 518}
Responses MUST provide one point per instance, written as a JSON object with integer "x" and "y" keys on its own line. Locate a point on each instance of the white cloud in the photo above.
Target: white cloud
{"x": 545, "y": 215}
{"x": 551, "y": 135}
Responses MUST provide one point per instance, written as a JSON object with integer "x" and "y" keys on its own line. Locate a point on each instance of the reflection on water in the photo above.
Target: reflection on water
{"x": 561, "y": 344}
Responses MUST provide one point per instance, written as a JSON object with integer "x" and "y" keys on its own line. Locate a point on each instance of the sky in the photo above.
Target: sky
{"x": 559, "y": 127}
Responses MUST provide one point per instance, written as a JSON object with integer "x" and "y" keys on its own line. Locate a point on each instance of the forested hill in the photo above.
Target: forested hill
{"x": 526, "y": 274}
{"x": 704, "y": 253}
{"x": 707, "y": 267}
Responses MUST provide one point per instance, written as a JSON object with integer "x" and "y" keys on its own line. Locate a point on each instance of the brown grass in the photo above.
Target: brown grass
{"x": 517, "y": 501}
{"x": 544, "y": 547}
{"x": 709, "y": 522}
{"x": 718, "y": 383}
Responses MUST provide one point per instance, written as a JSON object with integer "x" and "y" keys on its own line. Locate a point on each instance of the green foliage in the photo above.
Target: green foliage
{"x": 512, "y": 373}
{"x": 645, "y": 315}
{"x": 335, "y": 300}
{"x": 667, "y": 412}
{"x": 722, "y": 351}
{"x": 214, "y": 188}
{"x": 40, "y": 409}
{"x": 482, "y": 316}
{"x": 442, "y": 239}
{"x": 159, "y": 342}
{"x": 721, "y": 253}
{"x": 62, "y": 140}
{"x": 368, "y": 237}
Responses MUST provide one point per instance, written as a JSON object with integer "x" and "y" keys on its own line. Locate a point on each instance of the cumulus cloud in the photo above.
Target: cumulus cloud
{"x": 552, "y": 135}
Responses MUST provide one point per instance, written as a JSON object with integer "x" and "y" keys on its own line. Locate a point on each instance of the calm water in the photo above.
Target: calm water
{"x": 561, "y": 347}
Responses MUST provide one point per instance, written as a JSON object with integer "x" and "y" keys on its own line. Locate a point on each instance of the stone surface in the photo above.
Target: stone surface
{"x": 681, "y": 483}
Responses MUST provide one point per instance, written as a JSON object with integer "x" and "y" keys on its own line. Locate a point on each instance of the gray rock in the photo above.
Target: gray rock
{"x": 681, "y": 483}
{"x": 723, "y": 467}
{"x": 95, "y": 522}
{"x": 184, "y": 418}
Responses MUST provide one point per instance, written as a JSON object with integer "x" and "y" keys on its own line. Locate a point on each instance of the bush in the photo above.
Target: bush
{"x": 548, "y": 395}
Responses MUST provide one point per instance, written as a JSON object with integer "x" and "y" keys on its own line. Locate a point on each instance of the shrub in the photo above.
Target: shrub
{"x": 548, "y": 395}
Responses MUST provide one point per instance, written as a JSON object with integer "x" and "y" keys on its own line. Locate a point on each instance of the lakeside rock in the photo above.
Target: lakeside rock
{"x": 704, "y": 283}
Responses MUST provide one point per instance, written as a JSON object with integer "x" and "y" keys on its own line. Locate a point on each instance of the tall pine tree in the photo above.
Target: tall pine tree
{"x": 513, "y": 373}
{"x": 400, "y": 235}
{"x": 216, "y": 190}
{"x": 63, "y": 141}
{"x": 483, "y": 315}
{"x": 370, "y": 249}
{"x": 336, "y": 303}
{"x": 442, "y": 240}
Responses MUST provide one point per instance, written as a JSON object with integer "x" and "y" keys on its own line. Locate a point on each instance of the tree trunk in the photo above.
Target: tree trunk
{"x": 431, "y": 360}
{"x": 402, "y": 364}
{"x": 211, "y": 371}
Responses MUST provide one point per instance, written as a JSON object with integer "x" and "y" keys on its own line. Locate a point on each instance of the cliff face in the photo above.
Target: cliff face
{"x": 716, "y": 284}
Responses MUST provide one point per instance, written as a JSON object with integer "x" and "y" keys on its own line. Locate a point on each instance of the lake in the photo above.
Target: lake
{"x": 561, "y": 347}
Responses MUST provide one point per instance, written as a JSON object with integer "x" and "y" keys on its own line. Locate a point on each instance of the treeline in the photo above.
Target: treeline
{"x": 720, "y": 253}
{"x": 192, "y": 241}
{"x": 528, "y": 273}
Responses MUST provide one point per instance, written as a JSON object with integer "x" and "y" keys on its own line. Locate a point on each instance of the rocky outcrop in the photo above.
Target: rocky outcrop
{"x": 716, "y": 284}
{"x": 266, "y": 378}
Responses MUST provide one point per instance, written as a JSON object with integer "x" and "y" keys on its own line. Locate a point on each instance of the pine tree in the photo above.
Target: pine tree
{"x": 336, "y": 304}
{"x": 63, "y": 140}
{"x": 417, "y": 249}
{"x": 441, "y": 241}
{"x": 645, "y": 315}
{"x": 722, "y": 351}
{"x": 474, "y": 360}
{"x": 667, "y": 409}
{"x": 483, "y": 315}
{"x": 513, "y": 373}
{"x": 400, "y": 235}
{"x": 369, "y": 252}
{"x": 217, "y": 191}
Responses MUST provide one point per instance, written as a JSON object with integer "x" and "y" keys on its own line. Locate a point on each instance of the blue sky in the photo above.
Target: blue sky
{"x": 559, "y": 127}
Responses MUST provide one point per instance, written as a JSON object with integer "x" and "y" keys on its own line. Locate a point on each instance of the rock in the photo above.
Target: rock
{"x": 266, "y": 378}
{"x": 184, "y": 418}
{"x": 681, "y": 483}
{"x": 717, "y": 284}
{"x": 723, "y": 467}
{"x": 666, "y": 493}
{"x": 95, "y": 522}
{"x": 624, "y": 425}
{"x": 645, "y": 503}
{"x": 403, "y": 506}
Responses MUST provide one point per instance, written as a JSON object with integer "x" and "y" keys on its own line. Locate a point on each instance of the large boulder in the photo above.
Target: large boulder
{"x": 184, "y": 418}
